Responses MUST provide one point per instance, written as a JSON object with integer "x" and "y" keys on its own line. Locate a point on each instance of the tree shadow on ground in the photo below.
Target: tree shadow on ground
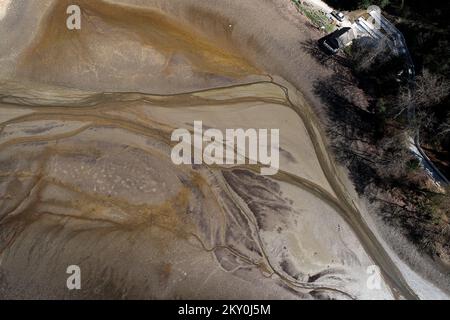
{"x": 373, "y": 159}
{"x": 350, "y": 129}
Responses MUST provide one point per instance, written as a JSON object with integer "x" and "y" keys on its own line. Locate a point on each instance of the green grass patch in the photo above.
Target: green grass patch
{"x": 317, "y": 17}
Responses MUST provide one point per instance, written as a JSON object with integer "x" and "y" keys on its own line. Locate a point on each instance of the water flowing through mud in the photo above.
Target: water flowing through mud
{"x": 109, "y": 110}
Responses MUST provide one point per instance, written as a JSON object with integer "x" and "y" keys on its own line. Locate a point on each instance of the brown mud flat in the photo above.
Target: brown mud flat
{"x": 135, "y": 47}
{"x": 86, "y": 176}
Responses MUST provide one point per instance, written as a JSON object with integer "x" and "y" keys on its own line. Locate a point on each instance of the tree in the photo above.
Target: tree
{"x": 444, "y": 129}
{"x": 427, "y": 91}
{"x": 365, "y": 52}
{"x": 366, "y": 3}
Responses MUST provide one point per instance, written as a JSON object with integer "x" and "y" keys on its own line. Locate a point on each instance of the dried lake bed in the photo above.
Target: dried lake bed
{"x": 86, "y": 176}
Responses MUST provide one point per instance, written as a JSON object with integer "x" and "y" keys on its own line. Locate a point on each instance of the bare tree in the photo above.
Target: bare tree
{"x": 445, "y": 127}
{"x": 394, "y": 155}
{"x": 427, "y": 91}
{"x": 367, "y": 51}
{"x": 430, "y": 89}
